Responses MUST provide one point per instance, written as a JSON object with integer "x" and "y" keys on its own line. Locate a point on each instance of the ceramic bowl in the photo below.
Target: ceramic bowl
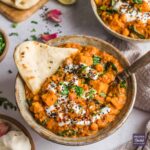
{"x": 111, "y": 128}
{"x": 17, "y": 126}
{"x": 118, "y": 35}
{"x": 2, "y": 56}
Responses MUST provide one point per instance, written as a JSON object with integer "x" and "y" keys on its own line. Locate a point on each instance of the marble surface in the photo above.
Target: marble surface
{"x": 77, "y": 19}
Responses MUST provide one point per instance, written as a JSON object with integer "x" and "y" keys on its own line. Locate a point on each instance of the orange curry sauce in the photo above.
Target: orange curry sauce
{"x": 77, "y": 100}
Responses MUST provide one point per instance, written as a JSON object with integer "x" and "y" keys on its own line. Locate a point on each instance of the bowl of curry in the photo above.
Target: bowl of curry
{"x": 128, "y": 20}
{"x": 76, "y": 105}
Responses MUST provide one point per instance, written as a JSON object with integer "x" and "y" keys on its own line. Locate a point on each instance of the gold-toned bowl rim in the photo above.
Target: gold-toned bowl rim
{"x": 19, "y": 126}
{"x": 118, "y": 35}
{"x": 2, "y": 56}
{"x": 119, "y": 121}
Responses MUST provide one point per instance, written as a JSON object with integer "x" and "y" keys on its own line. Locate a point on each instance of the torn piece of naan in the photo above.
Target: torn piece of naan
{"x": 37, "y": 61}
{"x": 21, "y": 4}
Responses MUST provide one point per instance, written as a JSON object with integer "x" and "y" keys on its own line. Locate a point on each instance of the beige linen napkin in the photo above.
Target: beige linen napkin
{"x": 132, "y": 52}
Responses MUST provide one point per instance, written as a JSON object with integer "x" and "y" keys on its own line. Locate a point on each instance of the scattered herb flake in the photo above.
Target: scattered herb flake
{"x": 34, "y": 22}
{"x": 34, "y": 38}
{"x": 26, "y": 39}
{"x": 112, "y": 2}
{"x": 13, "y": 34}
{"x": 33, "y": 30}
{"x": 14, "y": 25}
{"x": 57, "y": 25}
{"x": 9, "y": 71}
{"x": 5, "y": 103}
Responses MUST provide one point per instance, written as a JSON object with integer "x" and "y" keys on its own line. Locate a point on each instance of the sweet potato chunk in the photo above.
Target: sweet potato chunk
{"x": 49, "y": 98}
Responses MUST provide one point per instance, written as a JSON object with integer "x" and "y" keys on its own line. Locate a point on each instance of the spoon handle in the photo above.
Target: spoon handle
{"x": 141, "y": 62}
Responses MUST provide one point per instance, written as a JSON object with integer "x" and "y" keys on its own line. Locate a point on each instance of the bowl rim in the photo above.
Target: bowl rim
{"x": 126, "y": 115}
{"x": 2, "y": 56}
{"x": 118, "y": 35}
{"x": 19, "y": 126}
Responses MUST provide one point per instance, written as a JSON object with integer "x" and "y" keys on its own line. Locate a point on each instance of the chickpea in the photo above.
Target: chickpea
{"x": 36, "y": 98}
{"x": 148, "y": 22}
{"x": 92, "y": 106}
{"x": 126, "y": 32}
{"x": 98, "y": 2}
{"x": 123, "y": 18}
{"x": 116, "y": 16}
{"x": 99, "y": 67}
{"x": 94, "y": 127}
{"x": 145, "y": 7}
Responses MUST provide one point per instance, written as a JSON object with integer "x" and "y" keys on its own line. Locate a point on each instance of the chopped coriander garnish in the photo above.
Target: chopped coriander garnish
{"x": 34, "y": 37}
{"x": 91, "y": 93}
{"x": 137, "y": 1}
{"x": 112, "y": 3}
{"x": 13, "y": 34}
{"x": 134, "y": 31}
{"x": 34, "y": 22}
{"x": 96, "y": 60}
{"x": 33, "y": 30}
{"x": 45, "y": 122}
{"x": 65, "y": 90}
{"x": 68, "y": 133}
{"x": 7, "y": 104}
{"x": 112, "y": 65}
{"x": 103, "y": 7}
{"x": 79, "y": 91}
{"x": 123, "y": 84}
{"x": 111, "y": 11}
{"x": 14, "y": 25}
{"x": 2, "y": 43}
{"x": 102, "y": 94}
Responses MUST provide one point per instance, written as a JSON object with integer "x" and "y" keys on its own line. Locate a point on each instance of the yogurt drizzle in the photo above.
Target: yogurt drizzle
{"x": 65, "y": 105}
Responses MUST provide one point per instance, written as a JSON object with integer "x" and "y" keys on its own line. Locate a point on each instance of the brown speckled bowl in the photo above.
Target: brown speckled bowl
{"x": 119, "y": 121}
{"x": 94, "y": 7}
{"x": 15, "y": 125}
{"x": 2, "y": 56}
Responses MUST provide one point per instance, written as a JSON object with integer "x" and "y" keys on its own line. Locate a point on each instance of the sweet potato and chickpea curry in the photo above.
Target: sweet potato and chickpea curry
{"x": 130, "y": 18}
{"x": 78, "y": 100}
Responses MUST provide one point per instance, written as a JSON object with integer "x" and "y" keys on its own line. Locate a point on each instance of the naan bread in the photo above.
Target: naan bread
{"x": 21, "y": 4}
{"x": 37, "y": 61}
